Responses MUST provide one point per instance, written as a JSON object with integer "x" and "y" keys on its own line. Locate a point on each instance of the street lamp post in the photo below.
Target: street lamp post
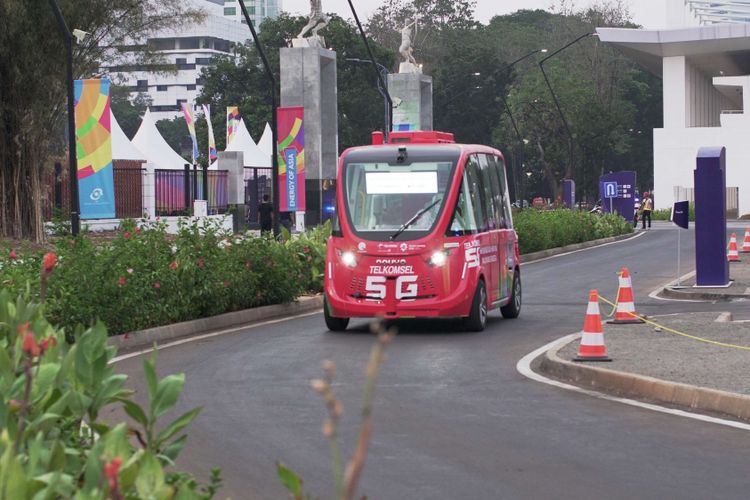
{"x": 383, "y": 84}
{"x": 383, "y": 76}
{"x": 274, "y": 131}
{"x": 557, "y": 103}
{"x": 521, "y": 142}
{"x": 75, "y": 221}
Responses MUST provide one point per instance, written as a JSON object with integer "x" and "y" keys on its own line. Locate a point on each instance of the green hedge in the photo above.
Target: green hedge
{"x": 543, "y": 229}
{"x": 144, "y": 277}
{"x": 665, "y": 213}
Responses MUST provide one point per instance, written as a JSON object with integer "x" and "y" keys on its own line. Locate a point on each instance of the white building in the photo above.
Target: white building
{"x": 703, "y": 58}
{"x": 190, "y": 49}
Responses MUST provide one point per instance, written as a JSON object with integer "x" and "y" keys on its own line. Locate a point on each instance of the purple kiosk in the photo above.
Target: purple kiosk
{"x": 709, "y": 176}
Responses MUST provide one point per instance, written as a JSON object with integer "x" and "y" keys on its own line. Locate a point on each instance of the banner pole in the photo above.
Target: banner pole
{"x": 678, "y": 254}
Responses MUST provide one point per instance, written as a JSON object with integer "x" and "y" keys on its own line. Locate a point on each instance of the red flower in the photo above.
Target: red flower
{"x": 138, "y": 230}
{"x": 157, "y": 285}
{"x": 13, "y": 255}
{"x": 306, "y": 249}
{"x": 200, "y": 262}
{"x": 111, "y": 470}
{"x": 121, "y": 280}
{"x": 173, "y": 265}
{"x": 46, "y": 343}
{"x": 226, "y": 283}
{"x": 30, "y": 347}
{"x": 127, "y": 234}
{"x": 50, "y": 261}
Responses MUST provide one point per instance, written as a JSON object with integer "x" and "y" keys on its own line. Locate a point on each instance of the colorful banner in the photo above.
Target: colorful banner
{"x": 291, "y": 153}
{"x": 96, "y": 185}
{"x": 187, "y": 110}
{"x": 211, "y": 142}
{"x": 233, "y": 122}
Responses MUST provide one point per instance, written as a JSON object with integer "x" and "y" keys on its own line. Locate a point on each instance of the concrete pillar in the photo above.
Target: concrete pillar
{"x": 711, "y": 265}
{"x": 674, "y": 78}
{"x": 412, "y": 96}
{"x": 149, "y": 190}
{"x": 234, "y": 163}
{"x": 308, "y": 79}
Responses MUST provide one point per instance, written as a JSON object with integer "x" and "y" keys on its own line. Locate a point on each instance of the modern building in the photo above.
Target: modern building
{"x": 703, "y": 57}
{"x": 188, "y": 50}
{"x": 258, "y": 10}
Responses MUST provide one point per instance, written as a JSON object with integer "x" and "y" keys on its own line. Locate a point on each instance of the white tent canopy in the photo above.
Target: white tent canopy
{"x": 266, "y": 141}
{"x": 122, "y": 148}
{"x": 155, "y": 148}
{"x": 252, "y": 154}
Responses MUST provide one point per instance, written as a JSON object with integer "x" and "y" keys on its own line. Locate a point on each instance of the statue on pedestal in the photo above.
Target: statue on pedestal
{"x": 316, "y": 22}
{"x": 406, "y": 49}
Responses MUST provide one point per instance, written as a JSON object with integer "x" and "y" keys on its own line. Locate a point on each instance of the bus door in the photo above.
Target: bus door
{"x": 481, "y": 248}
{"x": 503, "y": 223}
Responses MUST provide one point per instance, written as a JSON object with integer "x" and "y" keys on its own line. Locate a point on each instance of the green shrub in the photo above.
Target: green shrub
{"x": 53, "y": 443}
{"x": 543, "y": 229}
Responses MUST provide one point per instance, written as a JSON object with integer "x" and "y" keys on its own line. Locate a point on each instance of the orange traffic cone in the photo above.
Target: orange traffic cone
{"x": 746, "y": 242}
{"x": 625, "y": 303}
{"x": 592, "y": 339}
{"x": 732, "y": 254}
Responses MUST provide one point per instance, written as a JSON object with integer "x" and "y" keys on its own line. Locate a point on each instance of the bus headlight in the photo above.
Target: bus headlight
{"x": 348, "y": 259}
{"x": 438, "y": 259}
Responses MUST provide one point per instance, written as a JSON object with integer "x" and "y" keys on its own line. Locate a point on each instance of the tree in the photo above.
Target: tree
{"x": 33, "y": 86}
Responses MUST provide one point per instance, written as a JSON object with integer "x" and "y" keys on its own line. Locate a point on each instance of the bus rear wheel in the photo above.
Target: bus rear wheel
{"x": 334, "y": 324}
{"x": 477, "y": 319}
{"x": 513, "y": 308}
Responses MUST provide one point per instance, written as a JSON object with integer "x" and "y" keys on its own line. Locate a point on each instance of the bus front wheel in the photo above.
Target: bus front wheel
{"x": 477, "y": 319}
{"x": 334, "y": 324}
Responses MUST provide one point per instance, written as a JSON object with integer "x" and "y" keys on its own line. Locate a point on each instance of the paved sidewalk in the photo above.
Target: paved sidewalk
{"x": 653, "y": 363}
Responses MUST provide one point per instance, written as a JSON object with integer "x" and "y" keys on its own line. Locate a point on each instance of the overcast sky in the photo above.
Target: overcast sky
{"x": 648, "y": 13}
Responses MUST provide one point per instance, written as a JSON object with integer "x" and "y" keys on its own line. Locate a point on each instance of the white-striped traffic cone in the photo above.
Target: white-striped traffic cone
{"x": 625, "y": 313}
{"x": 592, "y": 338}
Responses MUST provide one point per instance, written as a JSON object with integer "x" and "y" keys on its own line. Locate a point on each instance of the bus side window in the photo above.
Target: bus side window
{"x": 476, "y": 193}
{"x": 491, "y": 187}
{"x": 498, "y": 191}
{"x": 463, "y": 220}
{"x": 504, "y": 195}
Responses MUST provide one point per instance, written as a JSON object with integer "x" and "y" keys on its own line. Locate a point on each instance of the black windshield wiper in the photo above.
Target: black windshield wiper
{"x": 414, "y": 218}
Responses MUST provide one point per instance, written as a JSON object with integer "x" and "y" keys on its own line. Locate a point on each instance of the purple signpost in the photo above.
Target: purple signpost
{"x": 709, "y": 177}
{"x": 617, "y": 192}
{"x": 569, "y": 193}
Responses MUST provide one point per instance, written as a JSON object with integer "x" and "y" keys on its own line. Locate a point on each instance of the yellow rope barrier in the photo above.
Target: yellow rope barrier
{"x": 671, "y": 330}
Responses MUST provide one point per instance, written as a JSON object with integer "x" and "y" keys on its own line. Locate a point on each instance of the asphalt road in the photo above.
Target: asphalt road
{"x": 453, "y": 419}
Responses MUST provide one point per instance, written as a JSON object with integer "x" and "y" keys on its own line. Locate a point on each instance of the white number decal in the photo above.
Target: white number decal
{"x": 408, "y": 291}
{"x": 406, "y": 287}
{"x": 472, "y": 257}
{"x": 375, "y": 287}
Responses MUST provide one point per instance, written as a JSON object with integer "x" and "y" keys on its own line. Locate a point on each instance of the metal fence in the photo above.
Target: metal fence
{"x": 732, "y": 197}
{"x": 128, "y": 183}
{"x": 257, "y": 183}
{"x": 177, "y": 189}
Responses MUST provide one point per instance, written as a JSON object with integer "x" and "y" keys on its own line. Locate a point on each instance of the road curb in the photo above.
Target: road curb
{"x": 644, "y": 387}
{"x": 160, "y": 334}
{"x": 542, "y": 254}
{"x": 671, "y": 293}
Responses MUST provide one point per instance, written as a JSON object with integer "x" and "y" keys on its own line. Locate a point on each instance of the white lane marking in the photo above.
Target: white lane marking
{"x": 582, "y": 249}
{"x": 524, "y": 368}
{"x": 208, "y": 336}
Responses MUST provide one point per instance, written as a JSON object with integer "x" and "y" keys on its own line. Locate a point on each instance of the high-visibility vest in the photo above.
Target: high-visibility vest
{"x": 647, "y": 204}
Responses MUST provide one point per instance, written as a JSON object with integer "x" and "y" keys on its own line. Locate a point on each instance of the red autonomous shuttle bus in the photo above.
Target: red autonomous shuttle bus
{"x": 423, "y": 228}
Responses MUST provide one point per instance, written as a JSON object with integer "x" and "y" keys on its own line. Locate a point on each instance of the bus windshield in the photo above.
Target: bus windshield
{"x": 396, "y": 201}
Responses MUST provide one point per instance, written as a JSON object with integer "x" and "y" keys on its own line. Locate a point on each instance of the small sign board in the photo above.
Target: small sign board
{"x": 610, "y": 189}
{"x": 680, "y": 214}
